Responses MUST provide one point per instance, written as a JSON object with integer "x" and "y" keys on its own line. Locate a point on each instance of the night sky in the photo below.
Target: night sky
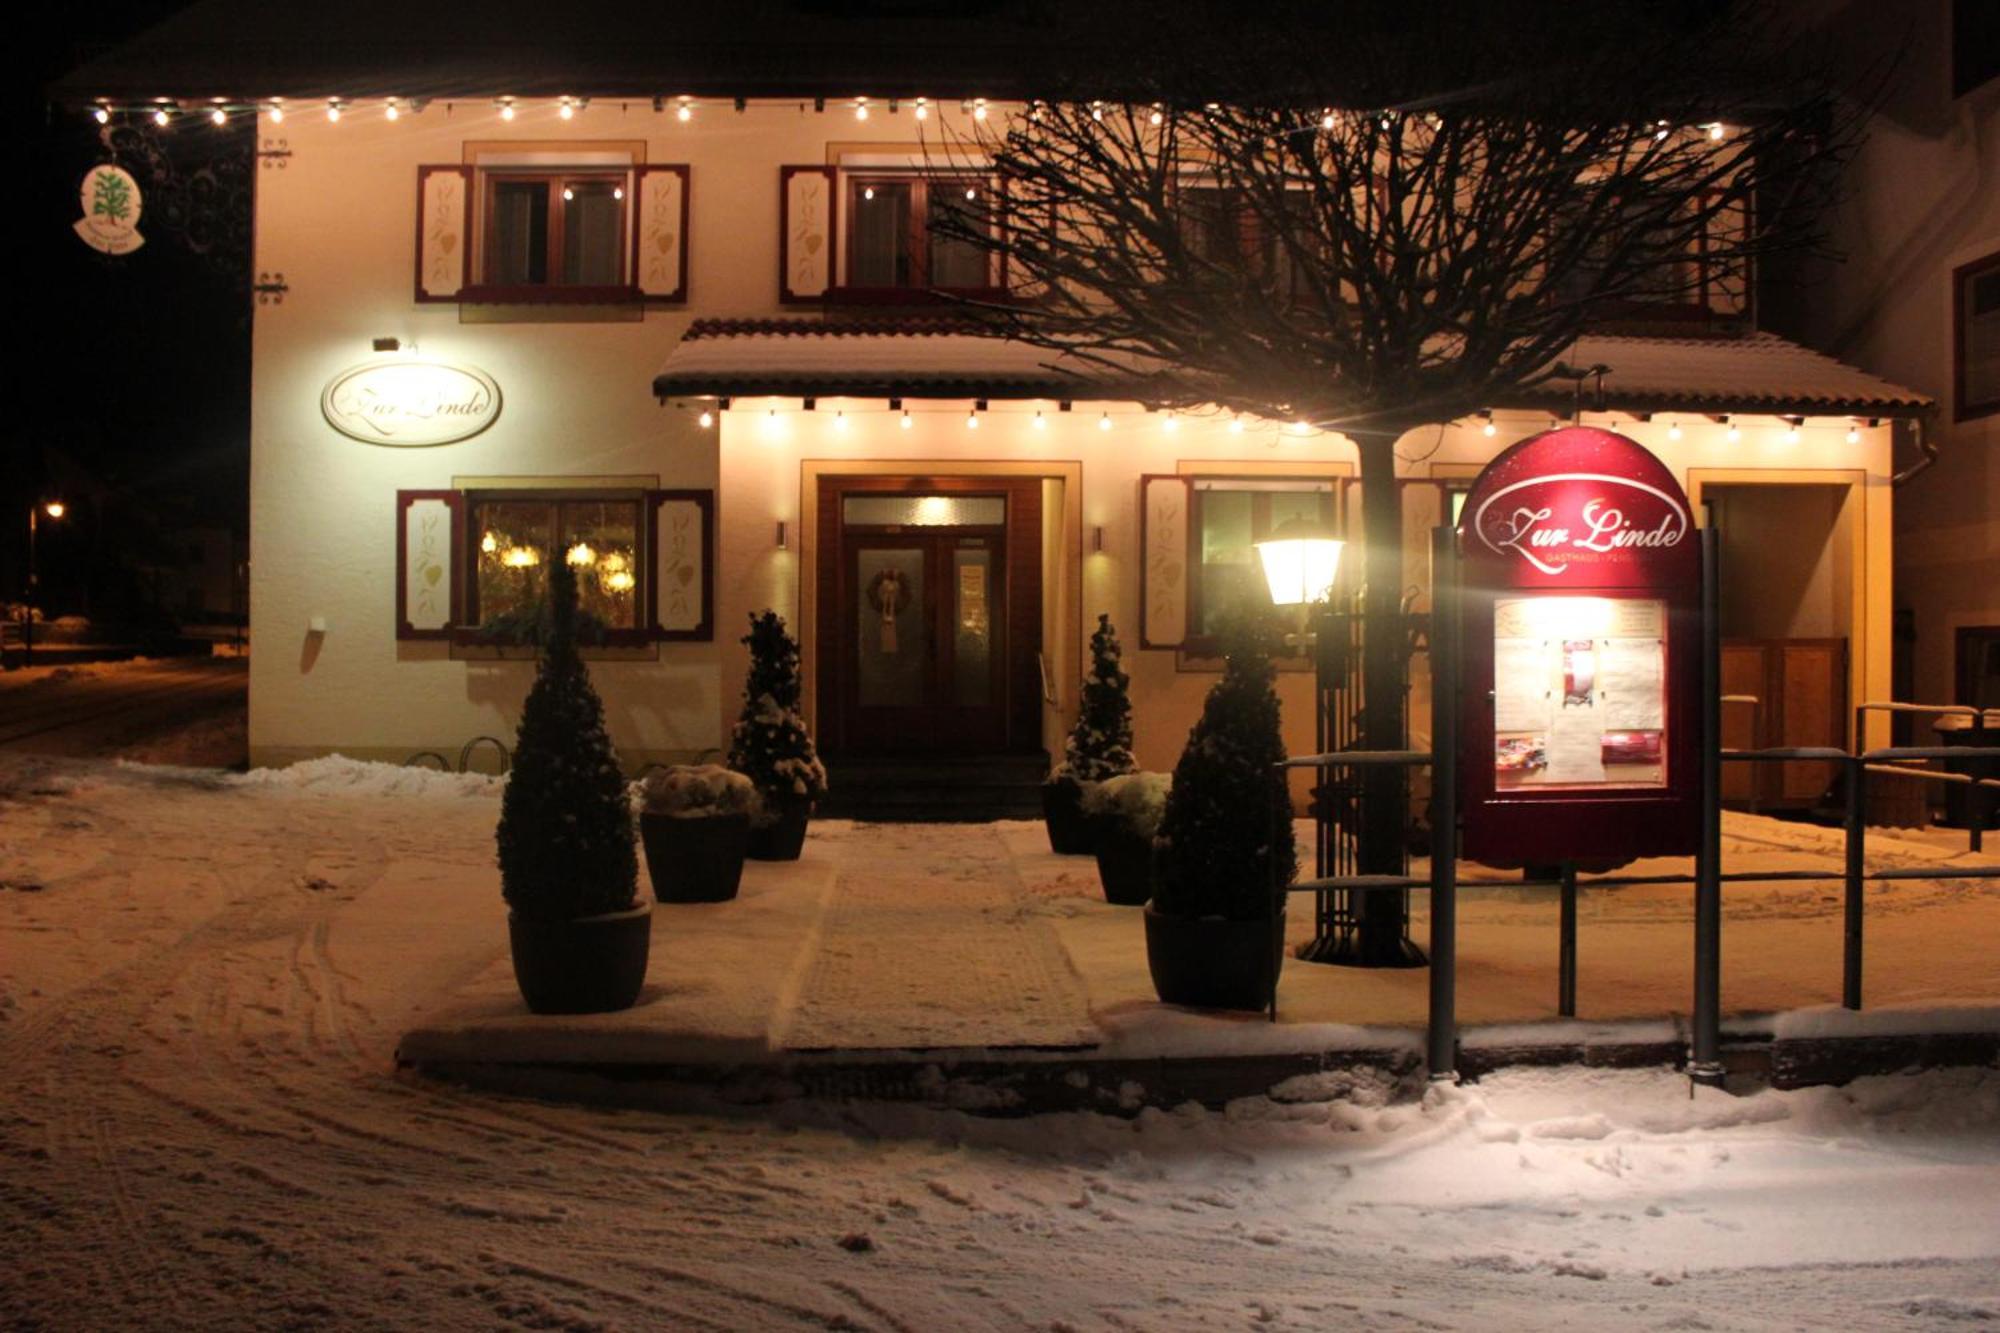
{"x": 132, "y": 388}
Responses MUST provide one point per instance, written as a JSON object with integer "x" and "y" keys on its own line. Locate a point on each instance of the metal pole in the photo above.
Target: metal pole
{"x": 1705, "y": 1062}
{"x": 1856, "y": 832}
{"x": 1441, "y": 1037}
{"x": 28, "y": 606}
{"x": 1566, "y": 954}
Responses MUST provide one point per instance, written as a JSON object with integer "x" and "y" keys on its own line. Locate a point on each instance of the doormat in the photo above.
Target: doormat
{"x": 929, "y": 940}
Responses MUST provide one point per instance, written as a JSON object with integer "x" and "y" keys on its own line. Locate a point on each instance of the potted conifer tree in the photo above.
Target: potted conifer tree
{"x": 1215, "y": 927}
{"x": 568, "y": 869}
{"x": 1099, "y": 746}
{"x": 771, "y": 745}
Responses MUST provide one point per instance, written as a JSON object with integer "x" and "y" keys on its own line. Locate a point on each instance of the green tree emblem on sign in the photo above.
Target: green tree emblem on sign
{"x": 111, "y": 197}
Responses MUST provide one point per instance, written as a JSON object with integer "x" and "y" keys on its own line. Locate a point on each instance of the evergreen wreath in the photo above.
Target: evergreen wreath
{"x": 1216, "y": 857}
{"x": 565, "y": 834}
{"x": 1100, "y": 745}
{"x": 770, "y": 744}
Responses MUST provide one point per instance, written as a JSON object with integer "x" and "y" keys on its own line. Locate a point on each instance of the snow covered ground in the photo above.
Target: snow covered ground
{"x": 202, "y": 979}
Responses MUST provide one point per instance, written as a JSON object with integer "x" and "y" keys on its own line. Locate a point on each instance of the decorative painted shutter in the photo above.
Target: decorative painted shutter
{"x": 660, "y": 232}
{"x": 427, "y": 582}
{"x": 808, "y": 232}
{"x": 1165, "y": 503}
{"x": 444, "y": 232}
{"x": 680, "y": 529}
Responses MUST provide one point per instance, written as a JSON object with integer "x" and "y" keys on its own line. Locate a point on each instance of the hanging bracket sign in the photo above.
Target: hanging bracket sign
{"x": 1582, "y": 621}
{"x": 410, "y": 403}
{"x": 111, "y": 207}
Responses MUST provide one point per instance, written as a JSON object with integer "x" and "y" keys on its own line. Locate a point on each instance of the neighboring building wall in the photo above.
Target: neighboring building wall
{"x": 1923, "y": 197}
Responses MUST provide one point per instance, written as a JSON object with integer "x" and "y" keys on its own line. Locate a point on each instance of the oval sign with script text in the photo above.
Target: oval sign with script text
{"x": 411, "y": 403}
{"x": 1579, "y": 505}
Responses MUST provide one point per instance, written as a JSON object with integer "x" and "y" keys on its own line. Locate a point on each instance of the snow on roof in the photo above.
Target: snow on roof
{"x": 945, "y": 359}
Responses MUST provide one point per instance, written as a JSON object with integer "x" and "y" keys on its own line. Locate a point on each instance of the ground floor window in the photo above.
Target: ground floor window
{"x": 1229, "y": 515}
{"x": 515, "y": 535}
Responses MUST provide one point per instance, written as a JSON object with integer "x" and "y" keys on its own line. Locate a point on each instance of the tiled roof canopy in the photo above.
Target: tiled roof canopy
{"x": 810, "y": 358}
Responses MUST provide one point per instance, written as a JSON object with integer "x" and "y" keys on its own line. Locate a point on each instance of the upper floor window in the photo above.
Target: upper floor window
{"x": 1222, "y": 227}
{"x": 1976, "y": 337}
{"x": 555, "y": 228}
{"x": 897, "y": 237}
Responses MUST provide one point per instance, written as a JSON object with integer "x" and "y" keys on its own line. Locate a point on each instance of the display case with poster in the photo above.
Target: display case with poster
{"x": 1581, "y": 594}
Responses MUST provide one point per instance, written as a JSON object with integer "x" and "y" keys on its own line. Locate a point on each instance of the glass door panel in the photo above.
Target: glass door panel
{"x": 892, "y": 638}
{"x": 972, "y": 627}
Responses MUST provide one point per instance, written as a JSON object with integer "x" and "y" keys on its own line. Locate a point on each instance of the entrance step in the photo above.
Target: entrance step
{"x": 949, "y": 789}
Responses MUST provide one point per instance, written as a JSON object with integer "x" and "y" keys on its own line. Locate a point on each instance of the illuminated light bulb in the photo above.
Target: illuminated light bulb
{"x": 569, "y": 195}
{"x": 581, "y": 554}
{"x": 1854, "y": 435}
{"x": 619, "y": 581}
{"x": 277, "y": 114}
{"x": 1097, "y": 111}
{"x": 1172, "y": 423}
{"x": 861, "y": 108}
{"x": 1236, "y": 425}
{"x": 218, "y": 116}
{"x": 1674, "y": 431}
{"x": 923, "y": 109}
{"x": 160, "y": 117}
{"x": 1155, "y": 118}
{"x": 1716, "y": 131}
{"x": 521, "y": 557}
{"x": 1488, "y": 429}
{"x": 506, "y": 111}
{"x": 971, "y": 193}
{"x": 1104, "y": 421}
{"x": 1792, "y": 434}
{"x": 684, "y": 112}
{"x": 392, "y": 111}
{"x": 1735, "y": 432}
{"x": 1326, "y": 121}
{"x": 972, "y": 420}
{"x": 868, "y": 192}
{"x": 617, "y": 192}
{"x": 1041, "y": 422}
{"x": 333, "y": 113}
{"x": 906, "y": 423}
{"x": 840, "y": 421}
{"x": 102, "y": 116}
{"x": 566, "y": 111}
{"x": 489, "y": 543}
{"x": 705, "y": 420}
{"x": 979, "y": 109}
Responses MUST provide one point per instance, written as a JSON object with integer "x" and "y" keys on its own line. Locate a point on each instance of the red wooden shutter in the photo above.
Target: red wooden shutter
{"x": 680, "y": 532}
{"x": 660, "y": 231}
{"x": 428, "y": 580}
{"x": 444, "y": 232}
{"x": 808, "y": 233}
{"x": 1165, "y": 506}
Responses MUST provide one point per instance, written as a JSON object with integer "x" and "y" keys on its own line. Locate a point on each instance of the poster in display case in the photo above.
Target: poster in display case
{"x": 1579, "y": 690}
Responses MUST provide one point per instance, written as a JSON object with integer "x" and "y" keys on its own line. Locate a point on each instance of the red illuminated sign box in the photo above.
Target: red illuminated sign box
{"x": 1582, "y": 603}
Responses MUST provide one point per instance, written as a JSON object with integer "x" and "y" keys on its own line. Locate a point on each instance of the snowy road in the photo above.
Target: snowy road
{"x": 127, "y": 708}
{"x": 201, "y": 982}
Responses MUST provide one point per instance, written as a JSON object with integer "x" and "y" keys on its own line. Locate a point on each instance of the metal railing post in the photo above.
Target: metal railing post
{"x": 1856, "y": 826}
{"x": 1566, "y": 953}
{"x": 1705, "y": 1059}
{"x": 1441, "y": 1035}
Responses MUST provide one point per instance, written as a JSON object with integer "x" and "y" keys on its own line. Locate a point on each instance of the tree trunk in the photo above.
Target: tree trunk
{"x": 1385, "y": 694}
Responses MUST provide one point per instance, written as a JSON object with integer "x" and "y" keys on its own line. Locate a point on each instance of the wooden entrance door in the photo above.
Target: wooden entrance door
{"x": 925, "y": 641}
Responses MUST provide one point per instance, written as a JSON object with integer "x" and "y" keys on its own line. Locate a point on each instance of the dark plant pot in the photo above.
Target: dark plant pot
{"x": 591, "y": 965}
{"x": 785, "y": 839}
{"x": 1209, "y": 963}
{"x": 1062, "y": 811}
{"x": 1124, "y": 862}
{"x": 695, "y": 860}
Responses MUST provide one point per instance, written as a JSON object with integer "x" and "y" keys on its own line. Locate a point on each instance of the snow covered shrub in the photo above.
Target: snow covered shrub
{"x": 1216, "y": 857}
{"x": 1100, "y": 745}
{"x": 770, "y": 744}
{"x": 1138, "y": 800}
{"x": 697, "y": 791}
{"x": 565, "y": 833}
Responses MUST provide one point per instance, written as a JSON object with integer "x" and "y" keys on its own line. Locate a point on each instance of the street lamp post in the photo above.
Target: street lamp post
{"x": 54, "y": 509}
{"x": 1301, "y": 563}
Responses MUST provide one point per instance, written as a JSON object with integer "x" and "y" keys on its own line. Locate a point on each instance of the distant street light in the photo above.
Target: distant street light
{"x": 54, "y": 509}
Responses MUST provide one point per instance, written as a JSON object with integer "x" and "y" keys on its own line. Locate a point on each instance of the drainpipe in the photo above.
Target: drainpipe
{"x": 1927, "y": 451}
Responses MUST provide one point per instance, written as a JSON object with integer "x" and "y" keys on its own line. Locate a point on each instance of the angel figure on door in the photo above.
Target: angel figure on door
{"x": 888, "y": 593}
